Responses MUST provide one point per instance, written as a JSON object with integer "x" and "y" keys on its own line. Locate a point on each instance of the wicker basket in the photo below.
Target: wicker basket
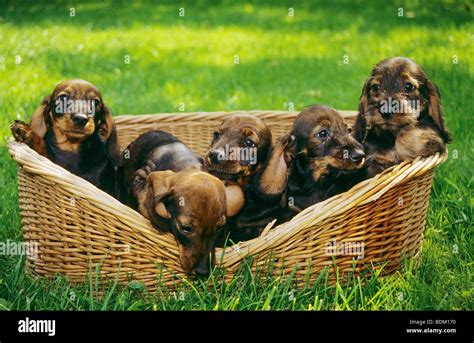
{"x": 75, "y": 226}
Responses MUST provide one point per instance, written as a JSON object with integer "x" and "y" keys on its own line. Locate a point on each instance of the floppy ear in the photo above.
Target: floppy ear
{"x": 435, "y": 111}
{"x": 360, "y": 125}
{"x": 266, "y": 136}
{"x": 275, "y": 173}
{"x": 162, "y": 187}
{"x": 235, "y": 199}
{"x": 108, "y": 135}
{"x": 40, "y": 118}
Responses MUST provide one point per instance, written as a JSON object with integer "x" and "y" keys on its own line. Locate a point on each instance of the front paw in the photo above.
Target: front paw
{"x": 21, "y": 131}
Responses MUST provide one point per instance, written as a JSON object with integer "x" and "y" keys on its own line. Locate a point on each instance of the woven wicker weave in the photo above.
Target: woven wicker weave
{"x": 75, "y": 225}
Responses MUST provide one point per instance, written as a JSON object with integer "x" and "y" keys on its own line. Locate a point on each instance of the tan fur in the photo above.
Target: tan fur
{"x": 275, "y": 176}
{"x": 417, "y": 142}
{"x": 416, "y": 133}
{"x": 67, "y": 135}
{"x": 37, "y": 123}
{"x": 162, "y": 185}
{"x": 232, "y": 130}
{"x": 235, "y": 199}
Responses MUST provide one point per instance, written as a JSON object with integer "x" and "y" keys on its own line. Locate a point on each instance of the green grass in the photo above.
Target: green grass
{"x": 283, "y": 60}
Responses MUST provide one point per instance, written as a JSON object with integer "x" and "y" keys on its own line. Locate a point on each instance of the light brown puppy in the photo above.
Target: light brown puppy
{"x": 400, "y": 115}
{"x": 169, "y": 187}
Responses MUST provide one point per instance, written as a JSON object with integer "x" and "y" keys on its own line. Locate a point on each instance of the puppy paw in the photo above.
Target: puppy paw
{"x": 21, "y": 131}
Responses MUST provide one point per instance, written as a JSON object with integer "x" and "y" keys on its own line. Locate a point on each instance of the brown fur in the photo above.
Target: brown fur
{"x": 232, "y": 132}
{"x": 203, "y": 201}
{"x": 171, "y": 190}
{"x": 261, "y": 199}
{"x": 390, "y": 138}
{"x": 275, "y": 175}
{"x": 70, "y": 138}
{"x": 318, "y": 158}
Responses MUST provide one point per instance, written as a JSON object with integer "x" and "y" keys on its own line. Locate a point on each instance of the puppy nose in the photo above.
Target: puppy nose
{"x": 80, "y": 120}
{"x": 357, "y": 156}
{"x": 202, "y": 269}
{"x": 214, "y": 156}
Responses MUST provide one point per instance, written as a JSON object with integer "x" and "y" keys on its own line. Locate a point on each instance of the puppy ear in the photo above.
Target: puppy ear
{"x": 265, "y": 136}
{"x": 235, "y": 199}
{"x": 289, "y": 142}
{"x": 435, "y": 111}
{"x": 274, "y": 177}
{"x": 162, "y": 187}
{"x": 360, "y": 125}
{"x": 40, "y": 117}
{"x": 106, "y": 127}
{"x": 108, "y": 135}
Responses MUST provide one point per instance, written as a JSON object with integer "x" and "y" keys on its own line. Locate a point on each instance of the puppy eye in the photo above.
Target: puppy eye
{"x": 186, "y": 229}
{"x": 217, "y": 135}
{"x": 409, "y": 87}
{"x": 323, "y": 133}
{"x": 248, "y": 143}
{"x": 96, "y": 103}
{"x": 376, "y": 87}
{"x": 62, "y": 97}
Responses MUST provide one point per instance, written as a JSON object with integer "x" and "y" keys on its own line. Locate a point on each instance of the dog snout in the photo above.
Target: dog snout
{"x": 357, "y": 155}
{"x": 80, "y": 120}
{"x": 385, "y": 109}
{"x": 386, "y": 115}
{"x": 214, "y": 157}
{"x": 202, "y": 268}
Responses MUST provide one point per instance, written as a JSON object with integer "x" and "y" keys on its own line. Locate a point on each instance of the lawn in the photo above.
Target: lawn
{"x": 146, "y": 58}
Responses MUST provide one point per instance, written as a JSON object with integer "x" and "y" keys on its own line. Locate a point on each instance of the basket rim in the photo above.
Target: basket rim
{"x": 363, "y": 193}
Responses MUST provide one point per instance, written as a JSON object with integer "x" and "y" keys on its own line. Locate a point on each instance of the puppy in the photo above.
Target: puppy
{"x": 74, "y": 128}
{"x": 239, "y": 153}
{"x": 400, "y": 115}
{"x": 316, "y": 160}
{"x": 170, "y": 188}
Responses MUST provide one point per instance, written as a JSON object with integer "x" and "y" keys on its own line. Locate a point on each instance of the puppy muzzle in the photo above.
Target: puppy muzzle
{"x": 80, "y": 120}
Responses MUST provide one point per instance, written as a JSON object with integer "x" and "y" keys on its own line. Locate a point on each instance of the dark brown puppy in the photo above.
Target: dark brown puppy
{"x": 316, "y": 160}
{"x": 400, "y": 115}
{"x": 170, "y": 189}
{"x": 74, "y": 128}
{"x": 239, "y": 153}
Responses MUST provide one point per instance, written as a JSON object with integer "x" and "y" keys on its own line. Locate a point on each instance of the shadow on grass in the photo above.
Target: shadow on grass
{"x": 261, "y": 15}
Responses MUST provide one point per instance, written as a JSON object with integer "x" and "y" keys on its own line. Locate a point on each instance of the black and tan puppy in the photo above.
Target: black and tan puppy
{"x": 316, "y": 160}
{"x": 74, "y": 128}
{"x": 170, "y": 189}
{"x": 239, "y": 153}
{"x": 400, "y": 115}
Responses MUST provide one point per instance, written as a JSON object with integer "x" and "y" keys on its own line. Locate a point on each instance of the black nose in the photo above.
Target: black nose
{"x": 80, "y": 120}
{"x": 202, "y": 269}
{"x": 357, "y": 156}
{"x": 385, "y": 111}
{"x": 214, "y": 156}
